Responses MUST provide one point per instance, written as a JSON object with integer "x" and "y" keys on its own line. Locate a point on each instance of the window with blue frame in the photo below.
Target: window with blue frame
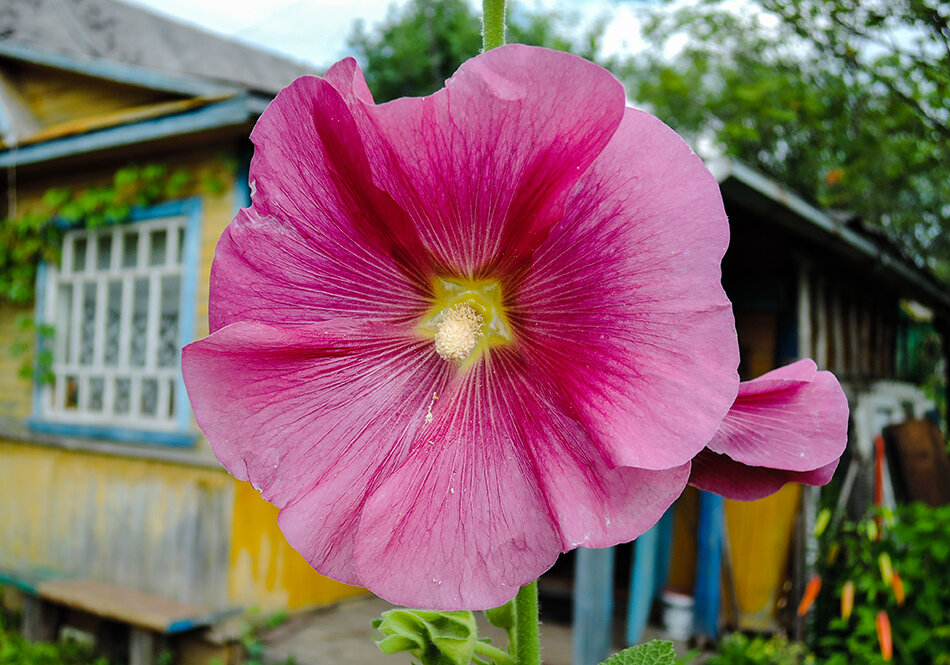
{"x": 122, "y": 304}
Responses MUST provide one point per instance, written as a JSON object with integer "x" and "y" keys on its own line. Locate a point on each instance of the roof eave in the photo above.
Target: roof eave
{"x": 115, "y": 71}
{"x": 238, "y": 110}
{"x": 725, "y": 169}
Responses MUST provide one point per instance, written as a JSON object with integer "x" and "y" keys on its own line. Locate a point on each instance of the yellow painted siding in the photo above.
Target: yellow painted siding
{"x": 265, "y": 571}
{"x": 16, "y": 393}
{"x": 152, "y": 525}
{"x": 760, "y": 555}
{"x": 54, "y": 97}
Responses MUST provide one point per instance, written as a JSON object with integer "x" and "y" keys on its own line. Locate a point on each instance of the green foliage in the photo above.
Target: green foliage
{"x": 739, "y": 649}
{"x": 416, "y": 48}
{"x": 33, "y": 347}
{"x": 36, "y": 236}
{"x": 845, "y": 101}
{"x": 14, "y": 650}
{"x": 916, "y": 541}
{"x": 651, "y": 653}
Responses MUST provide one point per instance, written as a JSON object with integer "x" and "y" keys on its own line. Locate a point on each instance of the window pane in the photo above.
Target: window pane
{"x": 149, "y": 401}
{"x": 104, "y": 252}
{"x": 171, "y": 398}
{"x": 168, "y": 326}
{"x": 64, "y": 321}
{"x": 97, "y": 389}
{"x": 72, "y": 392}
{"x": 113, "y": 322}
{"x": 79, "y": 255}
{"x": 123, "y": 395}
{"x": 181, "y": 246}
{"x": 157, "y": 244}
{"x": 130, "y": 249}
{"x": 139, "y": 323}
{"x": 87, "y": 332}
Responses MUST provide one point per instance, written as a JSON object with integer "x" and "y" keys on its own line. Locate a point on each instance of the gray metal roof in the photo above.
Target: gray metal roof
{"x": 111, "y": 32}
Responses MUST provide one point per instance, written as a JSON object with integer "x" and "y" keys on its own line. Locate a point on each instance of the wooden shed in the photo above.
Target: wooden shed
{"x": 103, "y": 474}
{"x": 804, "y": 282}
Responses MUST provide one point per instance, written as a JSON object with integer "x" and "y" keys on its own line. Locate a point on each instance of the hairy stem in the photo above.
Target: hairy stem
{"x": 528, "y": 642}
{"x": 493, "y": 24}
{"x": 498, "y": 656}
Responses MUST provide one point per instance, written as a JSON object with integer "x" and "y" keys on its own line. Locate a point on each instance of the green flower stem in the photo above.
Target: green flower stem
{"x": 528, "y": 642}
{"x": 493, "y": 24}
{"x": 498, "y": 656}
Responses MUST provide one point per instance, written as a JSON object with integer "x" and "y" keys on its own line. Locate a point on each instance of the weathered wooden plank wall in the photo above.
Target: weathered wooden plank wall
{"x": 149, "y": 525}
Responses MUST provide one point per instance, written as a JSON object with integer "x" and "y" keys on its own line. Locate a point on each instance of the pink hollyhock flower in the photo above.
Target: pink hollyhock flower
{"x": 455, "y": 336}
{"x": 789, "y": 425}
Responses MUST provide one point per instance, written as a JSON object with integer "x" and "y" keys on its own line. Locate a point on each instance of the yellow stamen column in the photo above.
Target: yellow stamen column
{"x": 458, "y": 332}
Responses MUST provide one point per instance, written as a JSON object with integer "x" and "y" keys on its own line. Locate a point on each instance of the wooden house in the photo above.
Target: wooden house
{"x": 103, "y": 474}
{"x": 803, "y": 283}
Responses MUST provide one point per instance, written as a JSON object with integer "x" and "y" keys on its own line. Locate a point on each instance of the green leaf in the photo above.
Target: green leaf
{"x": 656, "y": 652}
{"x": 435, "y": 638}
{"x": 502, "y": 617}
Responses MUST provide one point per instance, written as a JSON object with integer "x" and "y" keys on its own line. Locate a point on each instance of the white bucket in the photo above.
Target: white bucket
{"x": 677, "y": 615}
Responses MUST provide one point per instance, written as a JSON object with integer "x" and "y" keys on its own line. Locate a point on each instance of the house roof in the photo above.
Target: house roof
{"x": 779, "y": 204}
{"x": 107, "y": 37}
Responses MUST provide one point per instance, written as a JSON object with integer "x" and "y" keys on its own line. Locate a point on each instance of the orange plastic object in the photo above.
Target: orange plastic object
{"x": 884, "y": 635}
{"x": 808, "y": 598}
{"x": 897, "y": 584}
{"x": 847, "y": 600}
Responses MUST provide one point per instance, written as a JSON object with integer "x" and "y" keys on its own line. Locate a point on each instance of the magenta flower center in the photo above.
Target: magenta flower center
{"x": 466, "y": 318}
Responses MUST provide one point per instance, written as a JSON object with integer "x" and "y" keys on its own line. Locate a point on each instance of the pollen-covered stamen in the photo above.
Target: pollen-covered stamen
{"x": 458, "y": 332}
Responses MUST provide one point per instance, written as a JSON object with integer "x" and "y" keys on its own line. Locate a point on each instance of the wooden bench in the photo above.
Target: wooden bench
{"x": 150, "y": 618}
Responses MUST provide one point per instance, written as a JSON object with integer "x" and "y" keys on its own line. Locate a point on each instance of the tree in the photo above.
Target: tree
{"x": 414, "y": 50}
{"x": 845, "y": 101}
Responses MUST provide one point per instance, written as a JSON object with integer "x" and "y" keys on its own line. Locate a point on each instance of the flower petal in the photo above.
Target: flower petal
{"x": 793, "y": 418}
{"x": 461, "y": 523}
{"x": 719, "y": 474}
{"x": 266, "y": 270}
{"x": 484, "y": 165}
{"x": 623, "y": 306}
{"x": 499, "y": 484}
{"x": 332, "y": 407}
{"x": 313, "y": 191}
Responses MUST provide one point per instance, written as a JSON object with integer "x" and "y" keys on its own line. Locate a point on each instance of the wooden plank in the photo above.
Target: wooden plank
{"x": 131, "y": 606}
{"x": 40, "y": 620}
{"x": 593, "y": 605}
{"x": 642, "y": 583}
{"x": 709, "y": 565}
{"x": 28, "y": 579}
{"x": 804, "y": 312}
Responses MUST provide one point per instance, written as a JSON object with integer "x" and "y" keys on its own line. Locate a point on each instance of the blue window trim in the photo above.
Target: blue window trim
{"x": 184, "y": 436}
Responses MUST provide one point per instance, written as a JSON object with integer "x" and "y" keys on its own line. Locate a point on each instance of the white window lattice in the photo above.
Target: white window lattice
{"x": 115, "y": 303}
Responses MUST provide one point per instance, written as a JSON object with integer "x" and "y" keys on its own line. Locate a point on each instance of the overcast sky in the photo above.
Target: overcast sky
{"x": 315, "y": 31}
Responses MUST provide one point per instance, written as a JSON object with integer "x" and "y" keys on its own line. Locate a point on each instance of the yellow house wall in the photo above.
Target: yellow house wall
{"x": 186, "y": 530}
{"x": 264, "y": 569}
{"x": 146, "y": 524}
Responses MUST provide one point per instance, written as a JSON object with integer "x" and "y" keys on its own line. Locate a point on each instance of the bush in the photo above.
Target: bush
{"x": 898, "y": 564}
{"x": 738, "y": 649}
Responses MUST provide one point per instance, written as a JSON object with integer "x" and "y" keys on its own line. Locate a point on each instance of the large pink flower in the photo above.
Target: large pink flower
{"x": 789, "y": 425}
{"x": 457, "y": 335}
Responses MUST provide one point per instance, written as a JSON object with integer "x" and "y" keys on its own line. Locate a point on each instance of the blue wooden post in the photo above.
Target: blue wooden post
{"x": 642, "y": 576}
{"x": 593, "y": 605}
{"x": 709, "y": 564}
{"x": 648, "y": 573}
